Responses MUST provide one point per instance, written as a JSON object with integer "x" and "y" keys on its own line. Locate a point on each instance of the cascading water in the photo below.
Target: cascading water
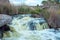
{"x": 28, "y": 28}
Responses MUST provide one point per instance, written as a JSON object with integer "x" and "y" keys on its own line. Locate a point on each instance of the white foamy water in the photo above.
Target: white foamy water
{"x": 47, "y": 34}
{"x": 22, "y": 30}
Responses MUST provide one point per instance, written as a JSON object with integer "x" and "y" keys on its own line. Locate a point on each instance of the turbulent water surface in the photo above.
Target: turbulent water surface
{"x": 24, "y": 27}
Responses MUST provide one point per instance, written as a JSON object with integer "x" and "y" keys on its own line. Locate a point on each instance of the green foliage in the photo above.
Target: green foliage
{"x": 44, "y": 2}
{"x": 52, "y": 1}
{"x": 36, "y": 10}
{"x": 24, "y": 9}
{"x": 27, "y": 9}
{"x": 57, "y": 1}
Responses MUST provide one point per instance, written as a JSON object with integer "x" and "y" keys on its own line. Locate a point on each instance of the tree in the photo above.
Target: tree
{"x": 44, "y": 2}
{"x": 37, "y": 5}
{"x": 57, "y": 1}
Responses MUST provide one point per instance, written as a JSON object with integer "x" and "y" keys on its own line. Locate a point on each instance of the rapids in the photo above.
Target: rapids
{"x": 24, "y": 27}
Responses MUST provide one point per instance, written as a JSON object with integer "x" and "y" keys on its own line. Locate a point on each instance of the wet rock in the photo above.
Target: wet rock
{"x": 36, "y": 15}
{"x": 5, "y": 19}
{"x": 5, "y": 28}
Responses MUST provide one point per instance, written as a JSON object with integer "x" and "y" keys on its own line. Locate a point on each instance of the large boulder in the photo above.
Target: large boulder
{"x": 54, "y": 18}
{"x": 5, "y": 19}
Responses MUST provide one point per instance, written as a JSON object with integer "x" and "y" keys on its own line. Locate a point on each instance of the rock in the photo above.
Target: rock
{"x": 54, "y": 18}
{"x": 54, "y": 21}
{"x": 5, "y": 28}
{"x": 5, "y": 19}
{"x": 36, "y": 15}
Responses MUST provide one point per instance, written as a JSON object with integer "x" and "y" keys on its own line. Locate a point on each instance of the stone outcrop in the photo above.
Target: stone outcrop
{"x": 5, "y": 19}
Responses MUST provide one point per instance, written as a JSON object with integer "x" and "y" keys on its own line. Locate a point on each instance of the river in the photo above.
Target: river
{"x": 25, "y": 27}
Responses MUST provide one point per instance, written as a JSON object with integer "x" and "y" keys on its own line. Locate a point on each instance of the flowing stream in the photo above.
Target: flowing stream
{"x": 24, "y": 27}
